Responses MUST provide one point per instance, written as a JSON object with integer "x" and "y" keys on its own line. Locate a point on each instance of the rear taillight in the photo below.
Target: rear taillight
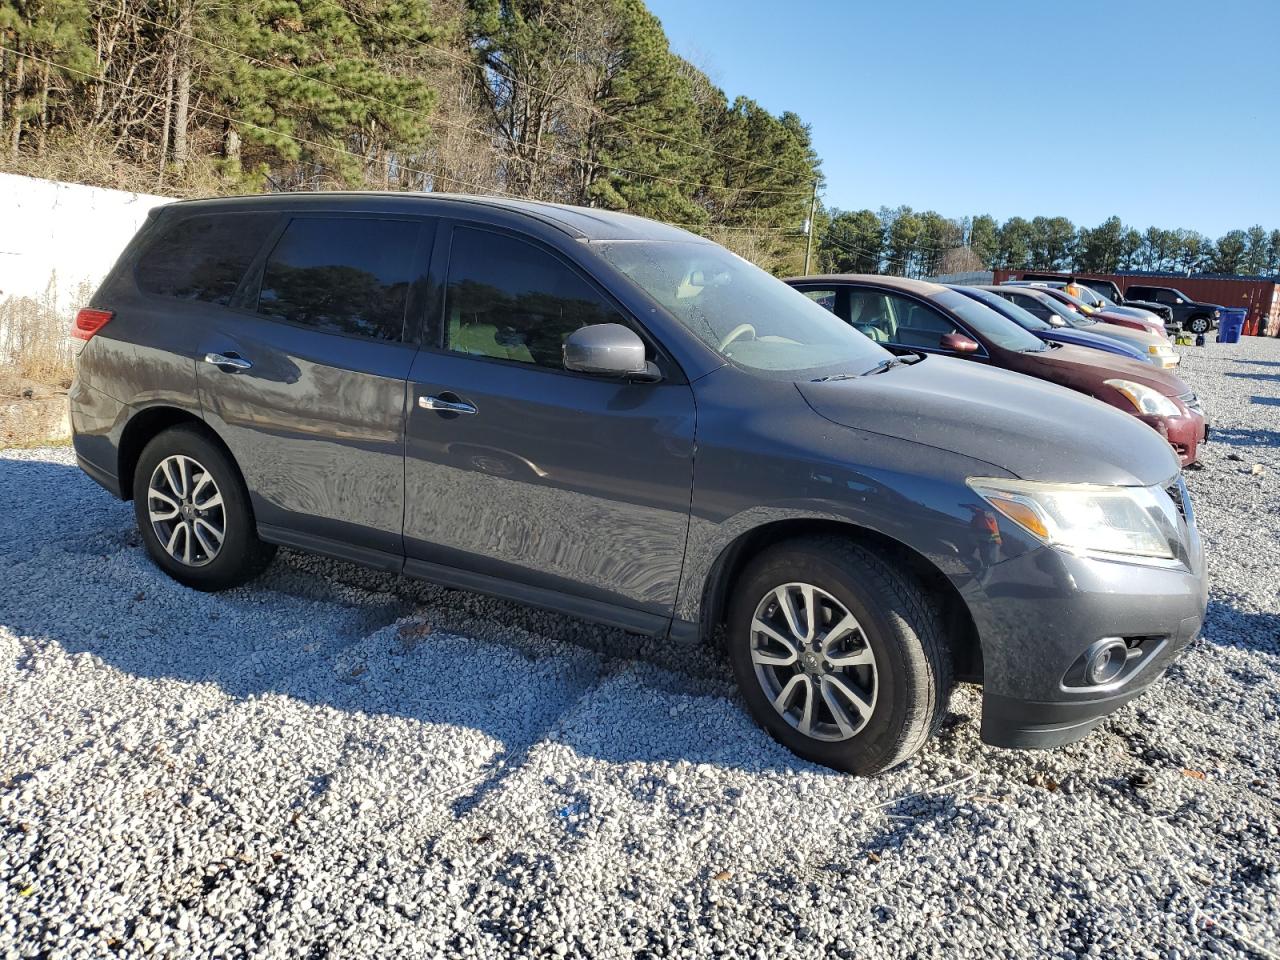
{"x": 88, "y": 322}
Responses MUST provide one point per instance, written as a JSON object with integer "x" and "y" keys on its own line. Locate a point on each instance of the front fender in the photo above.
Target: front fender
{"x": 936, "y": 517}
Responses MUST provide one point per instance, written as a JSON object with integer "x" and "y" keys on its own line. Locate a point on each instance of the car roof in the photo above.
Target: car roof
{"x": 582, "y": 223}
{"x": 1013, "y": 287}
{"x": 921, "y": 288}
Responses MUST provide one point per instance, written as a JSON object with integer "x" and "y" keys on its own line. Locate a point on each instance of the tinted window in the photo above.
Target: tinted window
{"x": 509, "y": 300}
{"x": 1012, "y": 311}
{"x": 203, "y": 257}
{"x": 740, "y": 311}
{"x": 341, "y": 275}
{"x": 1033, "y": 305}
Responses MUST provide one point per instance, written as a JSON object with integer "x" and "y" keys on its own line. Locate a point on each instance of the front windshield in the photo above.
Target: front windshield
{"x": 1055, "y": 307}
{"x": 1074, "y": 301}
{"x": 1007, "y": 308}
{"x": 1001, "y": 331}
{"x": 1086, "y": 296}
{"x": 1073, "y": 317}
{"x": 741, "y": 312}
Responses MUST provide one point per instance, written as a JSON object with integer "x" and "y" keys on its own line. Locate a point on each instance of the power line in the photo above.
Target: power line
{"x": 450, "y": 123}
{"x": 880, "y": 257}
{"x": 581, "y": 105}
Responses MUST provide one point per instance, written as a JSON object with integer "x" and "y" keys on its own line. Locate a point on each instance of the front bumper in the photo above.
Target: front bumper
{"x": 1185, "y": 433}
{"x": 1038, "y": 613}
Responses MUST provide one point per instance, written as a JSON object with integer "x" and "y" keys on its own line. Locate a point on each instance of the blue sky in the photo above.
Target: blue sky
{"x": 1164, "y": 113}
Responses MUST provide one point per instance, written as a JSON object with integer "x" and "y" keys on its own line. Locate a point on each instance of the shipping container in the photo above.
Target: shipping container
{"x": 1259, "y": 295}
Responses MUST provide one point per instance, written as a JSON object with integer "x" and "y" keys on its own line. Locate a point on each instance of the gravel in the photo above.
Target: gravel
{"x": 335, "y": 763}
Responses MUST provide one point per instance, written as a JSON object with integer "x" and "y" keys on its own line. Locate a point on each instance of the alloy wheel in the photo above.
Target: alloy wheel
{"x": 186, "y": 510}
{"x": 813, "y": 661}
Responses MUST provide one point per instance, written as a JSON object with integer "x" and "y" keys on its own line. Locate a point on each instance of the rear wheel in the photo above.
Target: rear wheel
{"x": 839, "y": 653}
{"x": 193, "y": 512}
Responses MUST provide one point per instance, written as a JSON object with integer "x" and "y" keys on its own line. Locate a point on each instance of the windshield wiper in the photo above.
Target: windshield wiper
{"x": 886, "y": 364}
{"x": 835, "y": 376}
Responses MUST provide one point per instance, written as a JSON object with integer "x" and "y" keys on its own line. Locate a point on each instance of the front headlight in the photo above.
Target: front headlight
{"x": 1217, "y": 313}
{"x": 1145, "y": 399}
{"x": 1159, "y": 349}
{"x": 1084, "y": 518}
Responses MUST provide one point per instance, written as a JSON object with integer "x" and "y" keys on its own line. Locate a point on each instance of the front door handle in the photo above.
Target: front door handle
{"x": 227, "y": 362}
{"x": 446, "y": 406}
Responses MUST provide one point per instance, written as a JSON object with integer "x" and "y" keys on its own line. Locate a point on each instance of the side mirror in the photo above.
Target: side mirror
{"x": 958, "y": 343}
{"x": 1177, "y": 299}
{"x": 1057, "y": 322}
{"x": 607, "y": 349}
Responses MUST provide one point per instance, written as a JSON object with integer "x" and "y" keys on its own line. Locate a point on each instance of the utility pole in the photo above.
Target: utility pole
{"x": 808, "y": 226}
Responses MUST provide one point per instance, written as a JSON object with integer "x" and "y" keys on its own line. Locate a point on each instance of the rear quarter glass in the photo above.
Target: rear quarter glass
{"x": 202, "y": 257}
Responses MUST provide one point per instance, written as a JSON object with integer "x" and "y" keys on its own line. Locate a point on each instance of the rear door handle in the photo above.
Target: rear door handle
{"x": 227, "y": 362}
{"x": 446, "y": 406}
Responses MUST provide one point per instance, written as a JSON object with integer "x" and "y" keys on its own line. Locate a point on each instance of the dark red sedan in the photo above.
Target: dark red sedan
{"x": 917, "y": 316}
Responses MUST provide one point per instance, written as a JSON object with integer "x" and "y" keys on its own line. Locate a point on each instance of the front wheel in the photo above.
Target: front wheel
{"x": 1199, "y": 325}
{"x": 193, "y": 512}
{"x": 839, "y": 654}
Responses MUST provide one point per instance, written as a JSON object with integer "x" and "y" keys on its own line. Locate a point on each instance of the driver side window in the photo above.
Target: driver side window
{"x": 509, "y": 300}
{"x": 890, "y": 318}
{"x": 921, "y": 326}
{"x": 1034, "y": 307}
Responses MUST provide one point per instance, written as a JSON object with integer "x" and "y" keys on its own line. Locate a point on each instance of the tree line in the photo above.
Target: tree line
{"x": 576, "y": 101}
{"x": 907, "y": 243}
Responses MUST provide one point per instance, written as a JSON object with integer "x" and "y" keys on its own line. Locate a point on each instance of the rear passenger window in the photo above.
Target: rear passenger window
{"x": 342, "y": 275}
{"x": 508, "y": 300}
{"x": 203, "y": 257}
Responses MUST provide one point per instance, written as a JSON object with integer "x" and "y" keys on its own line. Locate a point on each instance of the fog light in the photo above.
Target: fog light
{"x": 1106, "y": 660}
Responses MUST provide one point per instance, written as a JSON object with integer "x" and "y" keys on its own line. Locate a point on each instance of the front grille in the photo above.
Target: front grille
{"x": 1177, "y": 492}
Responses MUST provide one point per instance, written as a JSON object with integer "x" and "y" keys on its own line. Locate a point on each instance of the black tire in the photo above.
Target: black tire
{"x": 241, "y": 556}
{"x": 1198, "y": 324}
{"x": 902, "y": 627}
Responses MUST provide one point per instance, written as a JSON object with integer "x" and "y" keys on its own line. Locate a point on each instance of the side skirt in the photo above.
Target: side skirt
{"x": 608, "y": 614}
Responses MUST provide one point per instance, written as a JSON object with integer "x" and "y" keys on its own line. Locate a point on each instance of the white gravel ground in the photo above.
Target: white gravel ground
{"x": 338, "y": 763}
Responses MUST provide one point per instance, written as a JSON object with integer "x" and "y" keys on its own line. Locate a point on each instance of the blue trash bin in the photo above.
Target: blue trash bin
{"x": 1231, "y": 324}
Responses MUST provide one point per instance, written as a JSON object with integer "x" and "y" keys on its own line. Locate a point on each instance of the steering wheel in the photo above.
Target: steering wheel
{"x": 737, "y": 332}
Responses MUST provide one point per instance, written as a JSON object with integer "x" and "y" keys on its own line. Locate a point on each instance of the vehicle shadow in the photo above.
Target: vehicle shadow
{"x": 1260, "y": 363}
{"x": 1227, "y": 627}
{"x": 1254, "y": 376}
{"x": 335, "y": 635}
{"x": 1245, "y": 438}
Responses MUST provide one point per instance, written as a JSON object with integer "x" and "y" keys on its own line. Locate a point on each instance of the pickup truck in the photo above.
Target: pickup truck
{"x": 1187, "y": 313}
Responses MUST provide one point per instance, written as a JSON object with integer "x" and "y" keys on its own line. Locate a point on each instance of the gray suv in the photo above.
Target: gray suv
{"x": 601, "y": 415}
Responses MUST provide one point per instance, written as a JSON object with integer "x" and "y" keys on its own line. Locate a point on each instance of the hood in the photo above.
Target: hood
{"x": 1079, "y": 365}
{"x": 1032, "y": 429}
{"x": 1145, "y": 317}
{"x": 1138, "y": 313}
{"x": 1138, "y": 339}
{"x": 1094, "y": 341}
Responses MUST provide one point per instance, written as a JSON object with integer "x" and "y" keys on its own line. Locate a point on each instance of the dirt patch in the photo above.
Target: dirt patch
{"x": 31, "y": 413}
